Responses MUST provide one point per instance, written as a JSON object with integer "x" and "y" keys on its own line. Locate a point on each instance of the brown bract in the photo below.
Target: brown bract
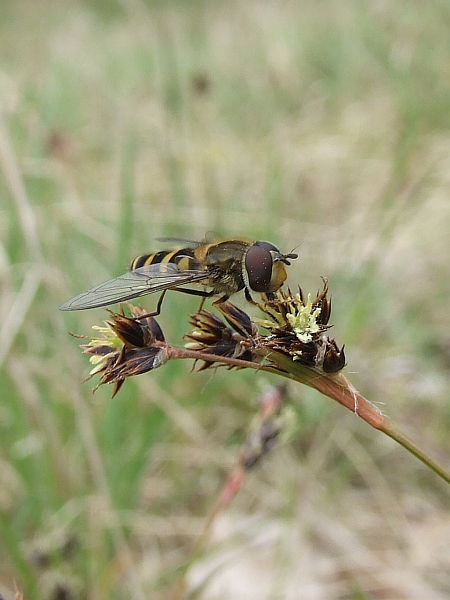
{"x": 130, "y": 346}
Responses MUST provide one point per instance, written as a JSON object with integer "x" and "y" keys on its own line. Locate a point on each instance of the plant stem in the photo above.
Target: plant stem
{"x": 334, "y": 385}
{"x": 337, "y": 387}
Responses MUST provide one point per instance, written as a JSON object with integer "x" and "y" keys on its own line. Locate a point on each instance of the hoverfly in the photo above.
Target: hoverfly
{"x": 221, "y": 268}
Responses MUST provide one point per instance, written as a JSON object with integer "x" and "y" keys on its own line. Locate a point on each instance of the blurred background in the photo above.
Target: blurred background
{"x": 319, "y": 125}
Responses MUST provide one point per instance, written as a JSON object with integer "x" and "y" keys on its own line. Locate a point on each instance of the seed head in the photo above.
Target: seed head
{"x": 127, "y": 346}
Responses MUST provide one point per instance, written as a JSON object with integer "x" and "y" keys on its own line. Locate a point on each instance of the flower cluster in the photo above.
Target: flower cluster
{"x": 233, "y": 338}
{"x": 296, "y": 328}
{"x": 127, "y": 346}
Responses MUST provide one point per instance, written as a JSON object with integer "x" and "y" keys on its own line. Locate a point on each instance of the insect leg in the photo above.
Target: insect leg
{"x": 154, "y": 313}
{"x": 249, "y": 298}
{"x": 202, "y": 293}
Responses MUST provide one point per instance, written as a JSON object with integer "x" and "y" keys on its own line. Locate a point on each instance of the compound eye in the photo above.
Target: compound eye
{"x": 266, "y": 245}
{"x": 258, "y": 263}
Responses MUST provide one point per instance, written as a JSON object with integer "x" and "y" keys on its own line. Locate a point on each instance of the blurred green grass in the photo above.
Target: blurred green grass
{"x": 316, "y": 125}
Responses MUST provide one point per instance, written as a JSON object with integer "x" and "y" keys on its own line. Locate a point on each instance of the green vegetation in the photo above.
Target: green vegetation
{"x": 320, "y": 125}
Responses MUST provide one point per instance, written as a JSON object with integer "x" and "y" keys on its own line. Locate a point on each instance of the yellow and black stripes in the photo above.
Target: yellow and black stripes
{"x": 221, "y": 268}
{"x": 184, "y": 259}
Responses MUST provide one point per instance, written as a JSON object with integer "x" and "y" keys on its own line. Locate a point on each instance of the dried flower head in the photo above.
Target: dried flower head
{"x": 127, "y": 346}
{"x": 272, "y": 422}
{"x": 234, "y": 338}
{"x": 297, "y": 329}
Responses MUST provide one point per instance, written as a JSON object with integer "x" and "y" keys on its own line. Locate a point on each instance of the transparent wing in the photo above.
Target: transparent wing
{"x": 142, "y": 281}
{"x": 181, "y": 242}
{"x": 211, "y": 236}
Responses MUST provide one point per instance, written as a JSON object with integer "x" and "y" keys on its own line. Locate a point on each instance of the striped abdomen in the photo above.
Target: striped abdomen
{"x": 184, "y": 259}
